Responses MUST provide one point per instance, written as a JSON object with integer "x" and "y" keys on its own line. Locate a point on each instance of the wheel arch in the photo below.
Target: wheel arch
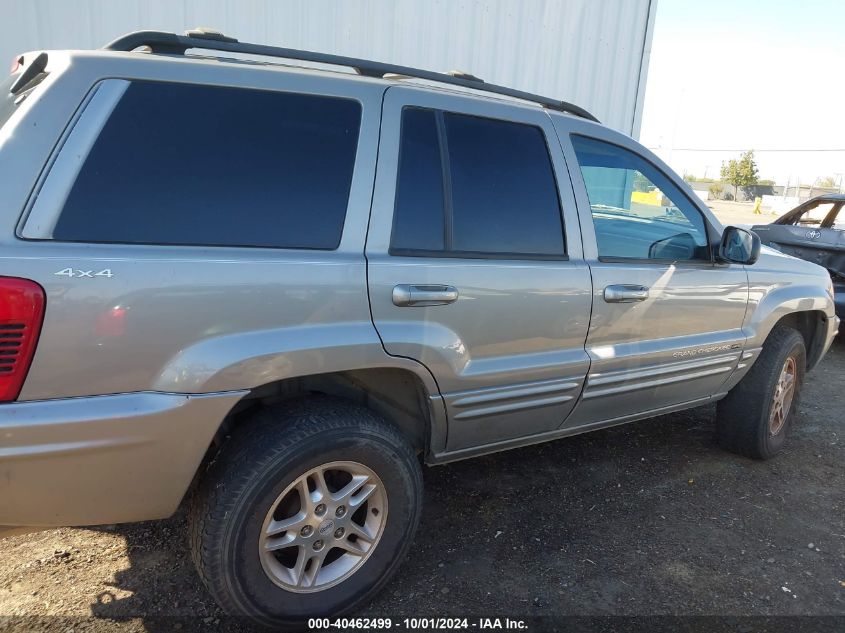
{"x": 810, "y": 324}
{"x": 803, "y": 306}
{"x": 398, "y": 394}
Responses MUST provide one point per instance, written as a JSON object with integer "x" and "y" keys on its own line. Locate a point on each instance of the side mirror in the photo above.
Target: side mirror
{"x": 739, "y": 246}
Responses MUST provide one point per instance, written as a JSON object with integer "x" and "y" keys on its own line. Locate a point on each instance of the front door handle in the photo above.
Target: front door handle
{"x": 412, "y": 295}
{"x": 625, "y": 293}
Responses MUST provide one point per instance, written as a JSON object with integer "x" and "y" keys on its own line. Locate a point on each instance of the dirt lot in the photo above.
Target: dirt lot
{"x": 741, "y": 213}
{"x": 648, "y": 518}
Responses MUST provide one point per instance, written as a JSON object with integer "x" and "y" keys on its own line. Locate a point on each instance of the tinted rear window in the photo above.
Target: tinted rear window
{"x": 504, "y": 192}
{"x": 418, "y": 221}
{"x": 474, "y": 187}
{"x": 206, "y": 165}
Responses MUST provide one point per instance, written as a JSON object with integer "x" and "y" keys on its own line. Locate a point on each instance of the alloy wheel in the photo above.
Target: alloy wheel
{"x": 323, "y": 527}
{"x": 784, "y": 394}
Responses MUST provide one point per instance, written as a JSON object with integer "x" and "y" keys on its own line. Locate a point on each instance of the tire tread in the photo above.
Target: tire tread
{"x": 742, "y": 412}
{"x": 255, "y": 444}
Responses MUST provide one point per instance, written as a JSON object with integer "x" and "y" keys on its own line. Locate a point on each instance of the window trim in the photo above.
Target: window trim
{"x": 420, "y": 252}
{"x": 82, "y": 134}
{"x": 708, "y": 229}
{"x": 830, "y": 220}
{"x": 699, "y": 263}
{"x": 446, "y": 182}
{"x": 448, "y": 209}
{"x": 45, "y": 205}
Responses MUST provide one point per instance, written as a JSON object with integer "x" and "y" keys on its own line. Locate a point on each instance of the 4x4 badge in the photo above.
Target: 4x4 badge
{"x": 71, "y": 272}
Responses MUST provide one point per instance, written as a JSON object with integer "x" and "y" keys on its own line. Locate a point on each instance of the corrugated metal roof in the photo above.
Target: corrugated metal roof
{"x": 586, "y": 52}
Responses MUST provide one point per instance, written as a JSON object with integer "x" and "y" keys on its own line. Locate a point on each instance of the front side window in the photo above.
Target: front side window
{"x": 216, "y": 166}
{"x": 475, "y": 187}
{"x": 638, "y": 213}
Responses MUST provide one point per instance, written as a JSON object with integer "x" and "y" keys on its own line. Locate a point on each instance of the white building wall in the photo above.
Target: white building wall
{"x": 590, "y": 52}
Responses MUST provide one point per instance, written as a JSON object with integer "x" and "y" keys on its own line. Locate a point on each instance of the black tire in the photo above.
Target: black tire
{"x": 743, "y": 416}
{"x": 256, "y": 465}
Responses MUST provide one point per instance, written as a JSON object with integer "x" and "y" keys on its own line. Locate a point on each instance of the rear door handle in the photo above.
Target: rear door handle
{"x": 625, "y": 293}
{"x": 412, "y": 295}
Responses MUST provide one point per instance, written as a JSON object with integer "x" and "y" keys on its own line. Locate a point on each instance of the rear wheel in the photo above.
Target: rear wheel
{"x": 306, "y": 512}
{"x": 754, "y": 418}
{"x": 323, "y": 527}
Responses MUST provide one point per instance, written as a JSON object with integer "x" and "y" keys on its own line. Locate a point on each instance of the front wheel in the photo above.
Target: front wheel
{"x": 305, "y": 513}
{"x": 754, "y": 418}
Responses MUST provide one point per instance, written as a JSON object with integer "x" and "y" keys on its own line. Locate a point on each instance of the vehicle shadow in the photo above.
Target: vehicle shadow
{"x": 647, "y": 518}
{"x": 162, "y": 589}
{"x": 160, "y": 585}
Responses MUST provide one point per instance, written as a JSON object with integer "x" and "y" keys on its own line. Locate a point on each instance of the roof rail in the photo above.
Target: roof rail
{"x": 170, "y": 43}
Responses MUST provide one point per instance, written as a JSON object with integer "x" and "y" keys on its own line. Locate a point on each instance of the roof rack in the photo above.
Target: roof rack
{"x": 170, "y": 43}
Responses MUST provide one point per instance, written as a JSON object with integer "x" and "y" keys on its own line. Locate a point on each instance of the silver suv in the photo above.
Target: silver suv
{"x": 274, "y": 292}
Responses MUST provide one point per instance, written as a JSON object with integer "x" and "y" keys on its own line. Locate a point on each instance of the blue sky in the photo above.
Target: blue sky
{"x": 748, "y": 74}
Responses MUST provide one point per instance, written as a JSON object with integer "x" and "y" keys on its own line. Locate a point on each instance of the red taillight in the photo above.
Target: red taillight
{"x": 21, "y": 313}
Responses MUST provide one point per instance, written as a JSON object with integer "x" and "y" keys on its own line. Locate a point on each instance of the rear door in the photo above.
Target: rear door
{"x": 474, "y": 261}
{"x": 666, "y": 327}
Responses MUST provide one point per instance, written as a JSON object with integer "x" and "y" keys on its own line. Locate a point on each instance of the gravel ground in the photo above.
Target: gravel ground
{"x": 741, "y": 213}
{"x": 645, "y": 519}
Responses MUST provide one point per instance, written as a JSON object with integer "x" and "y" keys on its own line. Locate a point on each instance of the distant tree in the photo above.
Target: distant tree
{"x": 828, "y": 182}
{"x": 716, "y": 190}
{"x": 740, "y": 172}
{"x": 767, "y": 182}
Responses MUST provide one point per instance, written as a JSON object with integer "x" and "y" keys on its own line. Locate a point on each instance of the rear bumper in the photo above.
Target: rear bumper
{"x": 103, "y": 459}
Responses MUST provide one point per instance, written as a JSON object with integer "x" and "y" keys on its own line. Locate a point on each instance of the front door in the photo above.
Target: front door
{"x": 474, "y": 262}
{"x": 666, "y": 327}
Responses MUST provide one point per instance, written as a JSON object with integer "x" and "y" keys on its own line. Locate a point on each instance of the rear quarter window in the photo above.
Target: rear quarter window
{"x": 216, "y": 166}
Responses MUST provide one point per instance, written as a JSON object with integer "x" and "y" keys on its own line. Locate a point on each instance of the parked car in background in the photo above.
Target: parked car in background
{"x": 815, "y": 231}
{"x": 278, "y": 292}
